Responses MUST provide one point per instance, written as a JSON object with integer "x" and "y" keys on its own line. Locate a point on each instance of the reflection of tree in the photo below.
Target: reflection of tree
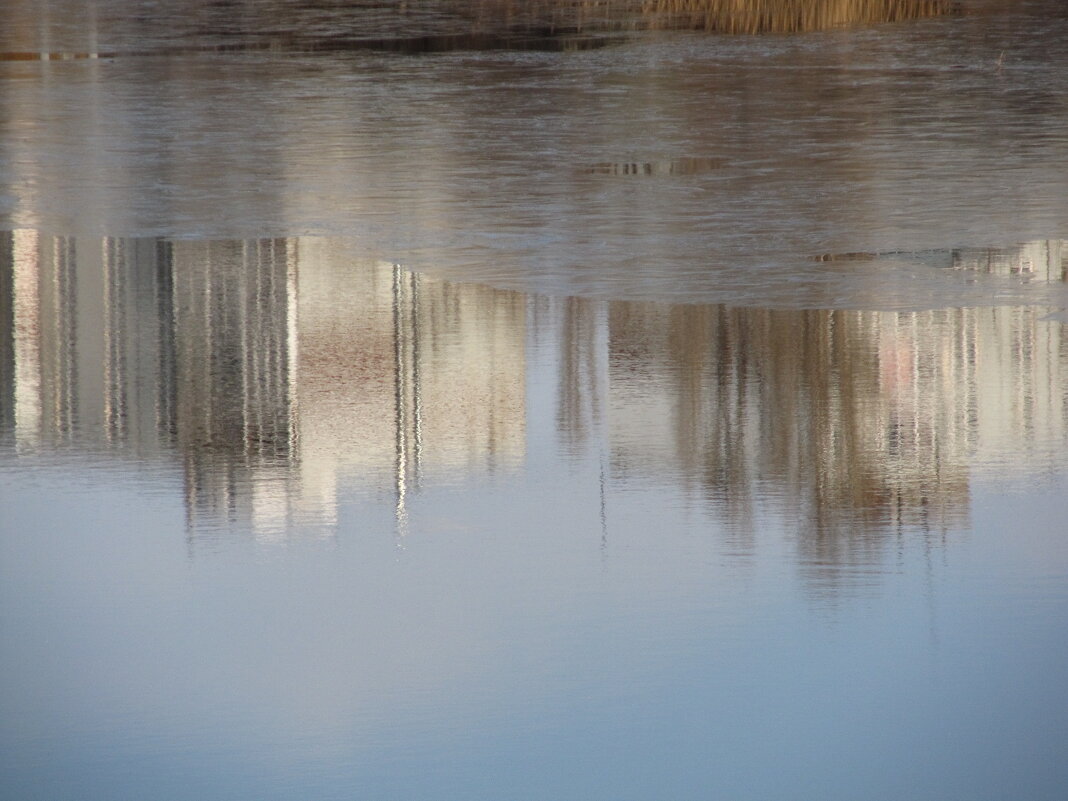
{"x": 856, "y": 425}
{"x": 7, "y": 341}
{"x": 853, "y": 423}
{"x": 581, "y": 393}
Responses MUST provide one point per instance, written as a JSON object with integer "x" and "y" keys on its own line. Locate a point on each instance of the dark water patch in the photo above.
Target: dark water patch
{"x": 541, "y": 41}
{"x": 548, "y": 41}
{"x": 53, "y": 56}
{"x": 854, "y": 256}
{"x": 682, "y": 166}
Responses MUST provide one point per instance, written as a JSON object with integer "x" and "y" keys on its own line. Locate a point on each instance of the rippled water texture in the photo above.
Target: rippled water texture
{"x": 499, "y": 401}
{"x": 489, "y": 165}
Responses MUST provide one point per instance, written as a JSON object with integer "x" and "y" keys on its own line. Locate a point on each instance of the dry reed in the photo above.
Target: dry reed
{"x": 786, "y": 16}
{"x": 717, "y": 16}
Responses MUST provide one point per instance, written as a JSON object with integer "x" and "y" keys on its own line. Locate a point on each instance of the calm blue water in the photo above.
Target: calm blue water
{"x": 685, "y": 418}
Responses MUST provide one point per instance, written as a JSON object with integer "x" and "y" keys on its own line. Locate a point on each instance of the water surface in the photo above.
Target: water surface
{"x": 490, "y": 165}
{"x": 661, "y": 416}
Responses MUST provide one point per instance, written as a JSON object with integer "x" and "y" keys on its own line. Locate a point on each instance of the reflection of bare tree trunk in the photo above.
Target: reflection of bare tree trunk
{"x": 407, "y": 401}
{"x": 116, "y": 401}
{"x": 167, "y": 405}
{"x": 59, "y": 346}
{"x": 581, "y": 392}
{"x": 7, "y": 337}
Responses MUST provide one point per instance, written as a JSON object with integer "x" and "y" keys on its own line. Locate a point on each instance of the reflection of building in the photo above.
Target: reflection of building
{"x": 403, "y": 376}
{"x": 1041, "y": 260}
{"x": 846, "y": 424}
{"x": 86, "y": 349}
{"x": 279, "y": 372}
{"x": 235, "y": 331}
{"x": 274, "y": 368}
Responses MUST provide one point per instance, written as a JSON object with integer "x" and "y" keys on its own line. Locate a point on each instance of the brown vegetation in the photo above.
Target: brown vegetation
{"x": 716, "y": 16}
{"x": 786, "y": 16}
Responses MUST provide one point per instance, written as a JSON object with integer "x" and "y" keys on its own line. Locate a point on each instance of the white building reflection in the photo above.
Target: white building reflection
{"x": 274, "y": 369}
{"x": 285, "y": 375}
{"x": 403, "y": 377}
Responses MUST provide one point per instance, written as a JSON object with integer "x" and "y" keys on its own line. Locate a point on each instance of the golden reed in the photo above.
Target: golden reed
{"x": 716, "y": 16}
{"x": 786, "y": 16}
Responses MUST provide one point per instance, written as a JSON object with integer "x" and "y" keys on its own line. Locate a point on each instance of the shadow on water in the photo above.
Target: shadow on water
{"x": 548, "y": 41}
{"x": 283, "y": 375}
{"x": 681, "y": 166}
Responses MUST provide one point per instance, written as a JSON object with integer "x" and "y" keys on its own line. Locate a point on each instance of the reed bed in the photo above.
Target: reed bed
{"x": 714, "y": 16}
{"x": 786, "y": 16}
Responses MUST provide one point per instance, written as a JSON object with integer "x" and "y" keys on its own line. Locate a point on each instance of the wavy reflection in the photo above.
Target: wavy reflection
{"x": 286, "y": 374}
{"x": 270, "y": 368}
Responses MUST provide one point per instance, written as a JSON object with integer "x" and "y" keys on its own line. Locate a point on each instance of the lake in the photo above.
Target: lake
{"x": 532, "y": 401}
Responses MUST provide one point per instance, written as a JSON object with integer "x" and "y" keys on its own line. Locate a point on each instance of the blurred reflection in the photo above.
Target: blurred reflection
{"x": 403, "y": 377}
{"x": 850, "y": 419}
{"x": 269, "y": 367}
{"x": 285, "y": 373}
